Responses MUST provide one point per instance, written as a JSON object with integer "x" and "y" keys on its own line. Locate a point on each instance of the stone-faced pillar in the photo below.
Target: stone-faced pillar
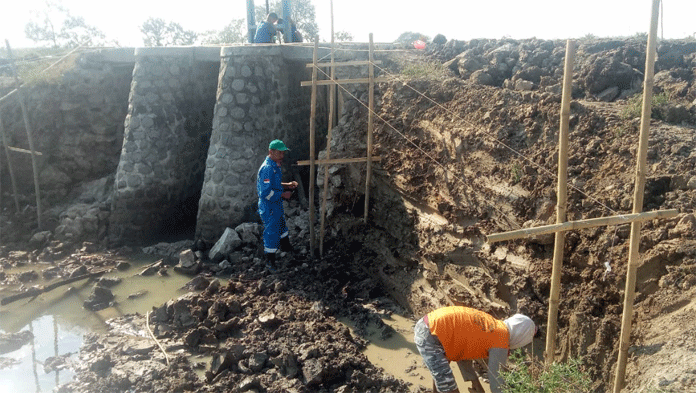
{"x": 250, "y": 111}
{"x": 165, "y": 142}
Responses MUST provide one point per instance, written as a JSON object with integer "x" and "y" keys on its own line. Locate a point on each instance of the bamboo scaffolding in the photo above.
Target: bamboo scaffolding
{"x": 370, "y": 126}
{"x": 9, "y": 166}
{"x": 562, "y": 205}
{"x": 639, "y": 190}
{"x": 313, "y": 161}
{"x": 332, "y": 105}
{"x": 582, "y": 224}
{"x": 30, "y": 139}
{"x": 312, "y": 127}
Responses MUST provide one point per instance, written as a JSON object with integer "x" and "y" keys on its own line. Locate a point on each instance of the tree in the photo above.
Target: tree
{"x": 160, "y": 33}
{"x": 235, "y": 32}
{"x": 343, "y": 36}
{"x": 409, "y": 36}
{"x": 56, "y": 26}
{"x": 303, "y": 15}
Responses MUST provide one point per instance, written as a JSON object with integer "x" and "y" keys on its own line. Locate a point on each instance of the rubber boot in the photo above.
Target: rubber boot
{"x": 270, "y": 262}
{"x": 285, "y": 245}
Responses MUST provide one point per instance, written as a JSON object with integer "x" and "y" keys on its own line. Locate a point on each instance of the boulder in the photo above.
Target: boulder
{"x": 187, "y": 259}
{"x": 249, "y": 232}
{"x": 227, "y": 243}
{"x": 100, "y": 298}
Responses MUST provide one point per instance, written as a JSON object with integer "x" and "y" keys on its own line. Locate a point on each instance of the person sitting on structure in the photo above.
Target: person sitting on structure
{"x": 462, "y": 334}
{"x": 266, "y": 32}
{"x": 294, "y": 36}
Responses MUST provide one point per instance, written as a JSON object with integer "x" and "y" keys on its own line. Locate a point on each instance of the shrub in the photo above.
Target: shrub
{"x": 526, "y": 375}
{"x": 634, "y": 106}
{"x": 431, "y": 70}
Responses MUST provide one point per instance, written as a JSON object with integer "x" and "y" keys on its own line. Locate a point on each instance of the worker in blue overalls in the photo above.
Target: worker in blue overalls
{"x": 271, "y": 193}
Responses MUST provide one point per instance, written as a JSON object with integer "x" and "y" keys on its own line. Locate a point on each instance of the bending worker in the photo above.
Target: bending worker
{"x": 461, "y": 334}
{"x": 271, "y": 192}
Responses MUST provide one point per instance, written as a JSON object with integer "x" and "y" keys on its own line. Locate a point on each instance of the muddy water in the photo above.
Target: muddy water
{"x": 398, "y": 355}
{"x": 58, "y": 322}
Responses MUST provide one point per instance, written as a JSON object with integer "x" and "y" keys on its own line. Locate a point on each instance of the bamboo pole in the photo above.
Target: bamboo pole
{"x": 27, "y": 126}
{"x": 639, "y": 189}
{"x": 332, "y": 104}
{"x": 339, "y": 161}
{"x": 562, "y": 205}
{"x": 312, "y": 169}
{"x": 582, "y": 224}
{"x": 346, "y": 81}
{"x": 9, "y": 166}
{"x": 370, "y": 125}
{"x": 345, "y": 63}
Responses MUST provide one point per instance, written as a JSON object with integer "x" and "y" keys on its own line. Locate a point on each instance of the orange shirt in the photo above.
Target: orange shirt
{"x": 467, "y": 333}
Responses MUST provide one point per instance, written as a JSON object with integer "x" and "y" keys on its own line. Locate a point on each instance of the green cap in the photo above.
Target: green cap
{"x": 277, "y": 145}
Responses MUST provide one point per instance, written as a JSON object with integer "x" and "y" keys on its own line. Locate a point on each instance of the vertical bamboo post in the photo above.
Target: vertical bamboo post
{"x": 639, "y": 189}
{"x": 332, "y": 105}
{"x": 9, "y": 165}
{"x": 27, "y": 126}
{"x": 312, "y": 174}
{"x": 562, "y": 205}
{"x": 370, "y": 124}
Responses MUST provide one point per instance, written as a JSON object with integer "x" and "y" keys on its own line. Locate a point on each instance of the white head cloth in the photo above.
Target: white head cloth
{"x": 521, "y": 329}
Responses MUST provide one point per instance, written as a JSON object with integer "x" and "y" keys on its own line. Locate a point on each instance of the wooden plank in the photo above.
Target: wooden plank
{"x": 370, "y": 126}
{"x": 338, "y": 161}
{"x": 344, "y": 81}
{"x": 561, "y": 206}
{"x": 638, "y": 192}
{"x": 582, "y": 224}
{"x": 345, "y": 63}
{"x": 17, "y": 149}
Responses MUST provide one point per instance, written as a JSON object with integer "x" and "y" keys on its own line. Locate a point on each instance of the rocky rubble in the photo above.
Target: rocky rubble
{"x": 269, "y": 333}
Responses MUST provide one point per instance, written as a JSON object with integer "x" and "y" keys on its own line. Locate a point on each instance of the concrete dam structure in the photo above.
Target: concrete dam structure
{"x": 197, "y": 127}
{"x": 152, "y": 144}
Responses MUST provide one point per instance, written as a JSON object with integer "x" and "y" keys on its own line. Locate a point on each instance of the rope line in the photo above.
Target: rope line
{"x": 519, "y": 154}
{"x": 467, "y": 123}
{"x": 457, "y": 178}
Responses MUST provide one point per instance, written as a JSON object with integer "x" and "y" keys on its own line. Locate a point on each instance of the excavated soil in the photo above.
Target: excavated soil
{"x": 463, "y": 155}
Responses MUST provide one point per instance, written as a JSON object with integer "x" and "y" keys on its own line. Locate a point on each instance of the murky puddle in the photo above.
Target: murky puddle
{"x": 58, "y": 322}
{"x": 398, "y": 355}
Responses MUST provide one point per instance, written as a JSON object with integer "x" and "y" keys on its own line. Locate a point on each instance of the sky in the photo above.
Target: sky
{"x": 386, "y": 19}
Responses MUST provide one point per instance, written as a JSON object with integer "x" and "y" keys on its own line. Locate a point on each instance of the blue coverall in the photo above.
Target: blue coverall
{"x": 270, "y": 189}
{"x": 265, "y": 33}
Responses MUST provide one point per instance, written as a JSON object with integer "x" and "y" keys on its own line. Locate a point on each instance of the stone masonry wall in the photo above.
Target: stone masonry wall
{"x": 258, "y": 99}
{"x": 77, "y": 125}
{"x": 166, "y": 138}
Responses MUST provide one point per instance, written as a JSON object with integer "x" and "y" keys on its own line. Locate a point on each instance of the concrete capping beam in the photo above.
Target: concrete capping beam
{"x": 198, "y": 53}
{"x": 117, "y": 55}
{"x": 250, "y": 50}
